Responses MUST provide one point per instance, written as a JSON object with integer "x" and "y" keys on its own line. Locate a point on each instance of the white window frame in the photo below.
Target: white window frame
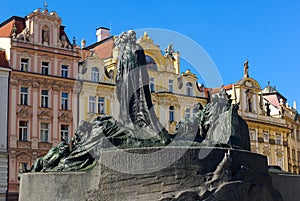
{"x": 23, "y": 131}
{"x": 266, "y": 136}
{"x": 101, "y": 105}
{"x": 278, "y": 138}
{"x": 64, "y": 132}
{"x": 44, "y": 132}
{"x": 64, "y": 101}
{"x": 252, "y": 135}
{"x": 189, "y": 89}
{"x": 45, "y": 66}
{"x": 24, "y": 64}
{"x": 92, "y": 104}
{"x": 24, "y": 96}
{"x": 65, "y": 71}
{"x": 45, "y": 99}
{"x": 95, "y": 75}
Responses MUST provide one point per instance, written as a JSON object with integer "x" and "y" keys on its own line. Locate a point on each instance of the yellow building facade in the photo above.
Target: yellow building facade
{"x": 268, "y": 134}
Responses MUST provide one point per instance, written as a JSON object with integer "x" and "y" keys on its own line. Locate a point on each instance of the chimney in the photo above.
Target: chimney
{"x": 295, "y": 105}
{"x": 102, "y": 33}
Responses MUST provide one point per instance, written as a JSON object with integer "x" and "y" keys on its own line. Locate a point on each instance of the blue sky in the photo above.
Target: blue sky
{"x": 267, "y": 32}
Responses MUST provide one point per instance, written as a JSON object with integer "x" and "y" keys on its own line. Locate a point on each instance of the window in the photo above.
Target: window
{"x": 23, "y": 130}
{"x": 101, "y": 105}
{"x": 171, "y": 86}
{"x": 298, "y": 156}
{"x": 44, "y": 132}
{"x": 150, "y": 63}
{"x": 266, "y": 136}
{"x": 278, "y": 139}
{"x": 293, "y": 154}
{"x": 298, "y": 135}
{"x": 64, "y": 71}
{"x": 64, "y": 101}
{"x": 92, "y": 104}
{"x": 45, "y": 68}
{"x": 24, "y": 96}
{"x": 45, "y": 99}
{"x": 95, "y": 74}
{"x": 64, "y": 132}
{"x": 187, "y": 113}
{"x": 24, "y": 64}
{"x": 189, "y": 89}
{"x": 152, "y": 87}
{"x": 252, "y": 135}
{"x": 171, "y": 113}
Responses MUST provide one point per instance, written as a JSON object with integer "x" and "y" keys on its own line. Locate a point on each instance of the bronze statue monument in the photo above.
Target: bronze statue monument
{"x": 229, "y": 172}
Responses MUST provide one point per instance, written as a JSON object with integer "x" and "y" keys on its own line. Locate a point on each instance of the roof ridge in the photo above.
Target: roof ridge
{"x": 11, "y": 19}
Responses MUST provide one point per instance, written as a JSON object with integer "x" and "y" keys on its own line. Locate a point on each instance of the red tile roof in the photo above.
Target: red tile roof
{"x": 103, "y": 48}
{"x": 216, "y": 90}
{"x": 3, "y": 60}
{"x": 6, "y": 28}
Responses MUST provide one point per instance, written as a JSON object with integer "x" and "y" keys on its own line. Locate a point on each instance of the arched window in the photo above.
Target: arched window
{"x": 189, "y": 89}
{"x": 151, "y": 63}
{"x": 250, "y": 105}
{"x": 95, "y": 74}
{"x": 46, "y": 35}
{"x": 171, "y": 113}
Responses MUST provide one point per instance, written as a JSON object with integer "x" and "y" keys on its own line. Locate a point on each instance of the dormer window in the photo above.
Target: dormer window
{"x": 189, "y": 89}
{"x": 46, "y": 35}
{"x": 95, "y": 74}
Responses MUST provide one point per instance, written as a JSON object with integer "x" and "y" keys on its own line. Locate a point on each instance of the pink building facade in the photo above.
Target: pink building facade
{"x": 42, "y": 105}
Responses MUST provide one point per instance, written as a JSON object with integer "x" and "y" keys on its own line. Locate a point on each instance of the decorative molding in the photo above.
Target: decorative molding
{"x": 24, "y": 111}
{"x": 65, "y": 116}
{"x": 45, "y": 114}
{"x": 45, "y": 145}
{"x": 24, "y": 144}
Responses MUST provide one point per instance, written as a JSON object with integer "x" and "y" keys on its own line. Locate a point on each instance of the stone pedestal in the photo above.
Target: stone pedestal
{"x": 142, "y": 174}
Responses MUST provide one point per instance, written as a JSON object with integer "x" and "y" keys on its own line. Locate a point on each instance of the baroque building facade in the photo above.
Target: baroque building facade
{"x": 4, "y": 80}
{"x": 268, "y": 132}
{"x": 42, "y": 97}
{"x": 279, "y": 108}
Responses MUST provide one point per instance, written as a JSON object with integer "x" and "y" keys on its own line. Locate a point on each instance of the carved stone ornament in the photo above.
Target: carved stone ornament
{"x": 45, "y": 113}
{"x": 24, "y": 112}
{"x": 65, "y": 116}
{"x": 248, "y": 84}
